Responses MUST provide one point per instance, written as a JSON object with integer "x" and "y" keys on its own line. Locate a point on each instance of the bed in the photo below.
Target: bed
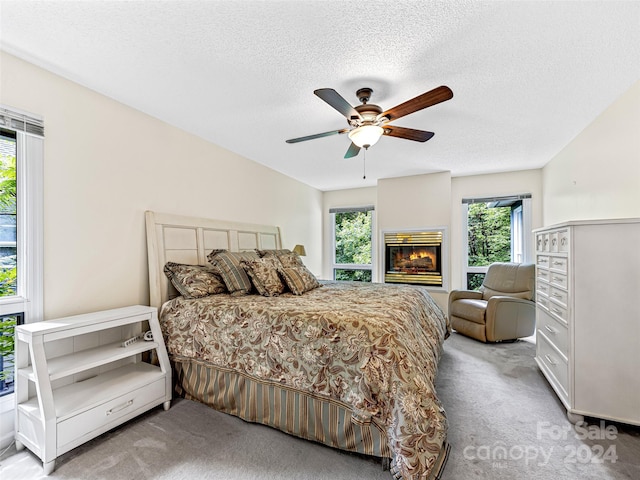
{"x": 346, "y": 364}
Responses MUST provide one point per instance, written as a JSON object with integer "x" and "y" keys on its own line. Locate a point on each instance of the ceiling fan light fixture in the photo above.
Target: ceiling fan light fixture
{"x": 366, "y": 135}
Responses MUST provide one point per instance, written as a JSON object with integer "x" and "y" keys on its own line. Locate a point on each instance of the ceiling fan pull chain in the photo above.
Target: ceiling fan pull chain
{"x": 364, "y": 165}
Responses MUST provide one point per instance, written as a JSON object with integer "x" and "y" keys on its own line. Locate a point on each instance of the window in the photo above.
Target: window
{"x": 21, "y": 162}
{"x": 8, "y": 254}
{"x": 353, "y": 248}
{"x": 495, "y": 231}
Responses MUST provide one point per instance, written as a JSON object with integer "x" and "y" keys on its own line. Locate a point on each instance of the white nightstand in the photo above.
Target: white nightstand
{"x": 75, "y": 380}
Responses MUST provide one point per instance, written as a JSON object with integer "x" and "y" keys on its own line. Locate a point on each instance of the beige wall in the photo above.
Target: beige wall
{"x": 105, "y": 164}
{"x": 597, "y": 175}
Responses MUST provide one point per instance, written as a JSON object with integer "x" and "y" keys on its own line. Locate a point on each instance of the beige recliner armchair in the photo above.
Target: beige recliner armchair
{"x": 503, "y": 309}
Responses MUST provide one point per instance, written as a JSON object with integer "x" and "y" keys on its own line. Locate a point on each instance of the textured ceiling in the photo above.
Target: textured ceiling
{"x": 527, "y": 77}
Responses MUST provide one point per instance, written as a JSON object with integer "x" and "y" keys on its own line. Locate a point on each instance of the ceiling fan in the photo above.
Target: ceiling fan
{"x": 368, "y": 122}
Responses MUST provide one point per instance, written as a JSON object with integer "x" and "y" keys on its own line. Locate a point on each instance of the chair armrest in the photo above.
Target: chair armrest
{"x": 509, "y": 317}
{"x": 494, "y": 303}
{"x": 459, "y": 294}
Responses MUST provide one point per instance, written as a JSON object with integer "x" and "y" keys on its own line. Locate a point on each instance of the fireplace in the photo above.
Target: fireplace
{"x": 414, "y": 258}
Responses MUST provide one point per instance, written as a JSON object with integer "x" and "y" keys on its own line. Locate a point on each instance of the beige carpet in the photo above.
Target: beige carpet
{"x": 505, "y": 423}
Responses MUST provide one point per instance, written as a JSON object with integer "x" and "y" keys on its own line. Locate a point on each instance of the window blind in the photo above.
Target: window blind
{"x": 13, "y": 119}
{"x": 505, "y": 198}
{"x": 368, "y": 208}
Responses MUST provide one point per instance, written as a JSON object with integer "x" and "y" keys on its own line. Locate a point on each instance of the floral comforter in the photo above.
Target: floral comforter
{"x": 373, "y": 346}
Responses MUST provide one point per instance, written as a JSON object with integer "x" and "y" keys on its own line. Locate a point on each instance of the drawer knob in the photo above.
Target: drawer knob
{"x": 550, "y": 329}
{"x": 550, "y": 359}
{"x": 120, "y": 407}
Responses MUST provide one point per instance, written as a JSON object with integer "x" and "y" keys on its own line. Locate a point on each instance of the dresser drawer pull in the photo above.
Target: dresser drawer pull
{"x": 542, "y": 260}
{"x": 550, "y": 359}
{"x": 558, "y": 263}
{"x": 558, "y": 279}
{"x": 555, "y": 310}
{"x": 556, "y": 295}
{"x": 550, "y": 329}
{"x": 119, "y": 408}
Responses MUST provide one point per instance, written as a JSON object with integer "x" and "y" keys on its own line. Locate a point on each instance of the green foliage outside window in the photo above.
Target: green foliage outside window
{"x": 474, "y": 280}
{"x": 7, "y": 343}
{"x": 353, "y": 244}
{"x": 489, "y": 234}
{"x": 352, "y": 275}
{"x": 8, "y": 270}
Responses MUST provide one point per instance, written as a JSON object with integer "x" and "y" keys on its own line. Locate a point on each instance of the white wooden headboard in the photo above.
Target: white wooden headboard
{"x": 180, "y": 239}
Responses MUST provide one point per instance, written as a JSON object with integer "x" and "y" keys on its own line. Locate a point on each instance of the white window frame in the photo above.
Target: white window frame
{"x": 30, "y": 239}
{"x": 525, "y": 226}
{"x": 353, "y": 266}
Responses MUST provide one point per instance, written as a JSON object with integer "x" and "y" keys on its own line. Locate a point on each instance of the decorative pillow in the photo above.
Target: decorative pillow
{"x": 228, "y": 266}
{"x": 286, "y": 257}
{"x": 264, "y": 275}
{"x": 194, "y": 281}
{"x": 299, "y": 279}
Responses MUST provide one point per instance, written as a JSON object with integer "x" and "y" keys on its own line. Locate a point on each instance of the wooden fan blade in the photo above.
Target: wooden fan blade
{"x": 425, "y": 100}
{"x": 334, "y": 99}
{"x": 352, "y": 151}
{"x": 317, "y": 135}
{"x": 407, "y": 133}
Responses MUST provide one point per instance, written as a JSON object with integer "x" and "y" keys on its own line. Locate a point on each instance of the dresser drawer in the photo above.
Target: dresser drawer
{"x": 558, "y": 264}
{"x": 563, "y": 241}
{"x": 543, "y": 275}
{"x": 559, "y": 311}
{"x": 73, "y": 428}
{"x": 555, "y": 331}
{"x": 542, "y": 242}
{"x": 553, "y": 361}
{"x": 542, "y": 301}
{"x": 558, "y": 280}
{"x": 542, "y": 261}
{"x": 542, "y": 288}
{"x": 559, "y": 296}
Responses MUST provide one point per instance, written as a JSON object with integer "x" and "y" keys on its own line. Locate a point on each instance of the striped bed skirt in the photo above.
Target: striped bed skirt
{"x": 297, "y": 413}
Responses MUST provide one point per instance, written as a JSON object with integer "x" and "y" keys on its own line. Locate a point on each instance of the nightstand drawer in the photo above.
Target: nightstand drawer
{"x": 93, "y": 419}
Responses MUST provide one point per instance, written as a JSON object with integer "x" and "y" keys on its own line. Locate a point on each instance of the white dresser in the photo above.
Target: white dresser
{"x": 588, "y": 316}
